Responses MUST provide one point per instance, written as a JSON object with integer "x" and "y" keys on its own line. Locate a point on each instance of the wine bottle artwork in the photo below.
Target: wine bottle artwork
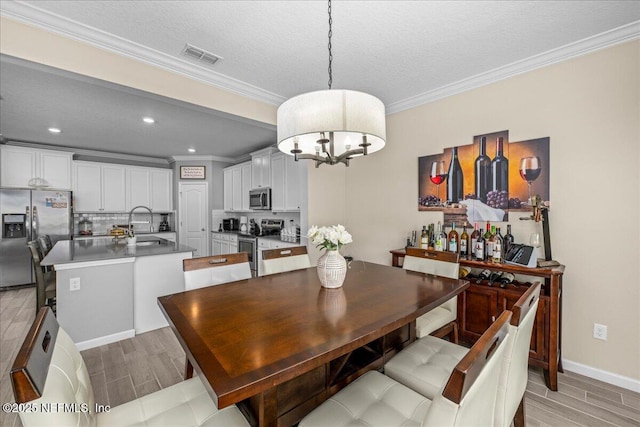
{"x": 530, "y": 168}
{"x": 438, "y": 175}
{"x": 455, "y": 179}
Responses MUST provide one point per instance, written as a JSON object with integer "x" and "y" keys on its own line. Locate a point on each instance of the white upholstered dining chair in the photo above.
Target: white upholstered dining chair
{"x": 440, "y": 321}
{"x": 215, "y": 270}
{"x": 49, "y": 372}
{"x": 426, "y": 364}
{"x": 468, "y": 398}
{"x": 284, "y": 259}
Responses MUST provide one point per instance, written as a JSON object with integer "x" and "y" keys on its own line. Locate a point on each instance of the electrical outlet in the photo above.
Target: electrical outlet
{"x": 74, "y": 284}
{"x": 600, "y": 332}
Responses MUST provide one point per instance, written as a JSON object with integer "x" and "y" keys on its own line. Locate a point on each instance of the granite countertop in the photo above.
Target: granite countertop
{"x": 101, "y": 235}
{"x": 72, "y": 251}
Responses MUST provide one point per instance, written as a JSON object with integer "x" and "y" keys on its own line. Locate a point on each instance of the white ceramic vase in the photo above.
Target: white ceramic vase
{"x": 332, "y": 269}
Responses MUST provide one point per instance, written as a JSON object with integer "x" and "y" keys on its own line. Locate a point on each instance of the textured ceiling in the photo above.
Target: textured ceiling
{"x": 395, "y": 50}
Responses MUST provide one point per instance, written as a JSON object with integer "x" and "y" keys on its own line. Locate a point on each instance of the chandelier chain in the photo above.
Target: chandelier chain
{"x": 330, "y": 55}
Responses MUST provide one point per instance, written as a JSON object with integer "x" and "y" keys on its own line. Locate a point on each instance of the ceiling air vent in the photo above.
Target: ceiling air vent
{"x": 199, "y": 55}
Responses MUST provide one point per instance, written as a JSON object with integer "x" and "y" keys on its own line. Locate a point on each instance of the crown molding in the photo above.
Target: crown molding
{"x": 600, "y": 41}
{"x": 35, "y": 16}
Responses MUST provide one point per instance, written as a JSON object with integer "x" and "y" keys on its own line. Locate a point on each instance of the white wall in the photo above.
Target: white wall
{"x": 589, "y": 107}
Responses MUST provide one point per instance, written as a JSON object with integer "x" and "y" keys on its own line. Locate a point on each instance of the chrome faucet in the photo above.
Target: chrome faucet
{"x": 150, "y": 217}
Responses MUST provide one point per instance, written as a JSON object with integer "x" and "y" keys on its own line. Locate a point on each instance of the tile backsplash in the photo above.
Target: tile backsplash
{"x": 103, "y": 222}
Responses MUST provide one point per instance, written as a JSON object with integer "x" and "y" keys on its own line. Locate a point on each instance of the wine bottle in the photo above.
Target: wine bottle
{"x": 432, "y": 236}
{"x": 483, "y": 172}
{"x": 474, "y": 238}
{"x": 488, "y": 243}
{"x": 497, "y": 247}
{"x": 464, "y": 242}
{"x": 424, "y": 238}
{"x": 479, "y": 247}
{"x": 455, "y": 180}
{"x": 507, "y": 241}
{"x": 454, "y": 239}
{"x": 500, "y": 169}
{"x": 440, "y": 239}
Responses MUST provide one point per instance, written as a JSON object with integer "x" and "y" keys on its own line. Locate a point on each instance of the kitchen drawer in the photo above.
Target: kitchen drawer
{"x": 279, "y": 244}
{"x": 263, "y": 244}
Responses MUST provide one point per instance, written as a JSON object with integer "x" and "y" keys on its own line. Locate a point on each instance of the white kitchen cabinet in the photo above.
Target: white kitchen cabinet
{"x": 236, "y": 186}
{"x": 261, "y": 168}
{"x": 246, "y": 184}
{"x": 99, "y": 187}
{"x": 227, "y": 177}
{"x": 114, "y": 188}
{"x": 87, "y": 186}
{"x": 117, "y": 188}
{"x": 151, "y": 187}
{"x": 21, "y": 164}
{"x": 161, "y": 189}
{"x": 223, "y": 243}
{"x": 138, "y": 187}
{"x": 285, "y": 183}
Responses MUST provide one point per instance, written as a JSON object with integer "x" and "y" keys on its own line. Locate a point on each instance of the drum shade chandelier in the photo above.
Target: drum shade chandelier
{"x": 331, "y": 126}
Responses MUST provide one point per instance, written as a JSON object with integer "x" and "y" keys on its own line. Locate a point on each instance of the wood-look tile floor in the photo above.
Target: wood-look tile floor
{"x": 134, "y": 367}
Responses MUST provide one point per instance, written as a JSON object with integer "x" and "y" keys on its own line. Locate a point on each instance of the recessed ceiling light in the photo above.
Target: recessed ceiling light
{"x": 191, "y": 150}
{"x": 149, "y": 120}
{"x": 54, "y": 130}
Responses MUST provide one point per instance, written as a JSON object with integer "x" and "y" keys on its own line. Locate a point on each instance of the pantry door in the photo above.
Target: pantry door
{"x": 194, "y": 226}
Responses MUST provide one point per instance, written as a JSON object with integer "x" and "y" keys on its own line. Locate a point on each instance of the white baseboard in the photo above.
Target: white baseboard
{"x": 605, "y": 376}
{"x": 108, "y": 339}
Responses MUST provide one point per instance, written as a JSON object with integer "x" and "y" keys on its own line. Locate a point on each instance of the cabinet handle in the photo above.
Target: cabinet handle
{"x": 493, "y": 318}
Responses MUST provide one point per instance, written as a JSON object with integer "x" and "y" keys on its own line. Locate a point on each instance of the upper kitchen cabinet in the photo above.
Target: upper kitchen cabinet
{"x": 151, "y": 187}
{"x": 161, "y": 189}
{"x": 237, "y": 183}
{"x": 99, "y": 187}
{"x": 261, "y": 168}
{"x": 285, "y": 183}
{"x": 21, "y": 164}
{"x": 138, "y": 187}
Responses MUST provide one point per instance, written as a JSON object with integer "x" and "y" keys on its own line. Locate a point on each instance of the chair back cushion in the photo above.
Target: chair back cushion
{"x": 438, "y": 263}
{"x": 514, "y": 375}
{"x": 284, "y": 259}
{"x": 469, "y": 396}
{"x": 49, "y": 372}
{"x": 215, "y": 270}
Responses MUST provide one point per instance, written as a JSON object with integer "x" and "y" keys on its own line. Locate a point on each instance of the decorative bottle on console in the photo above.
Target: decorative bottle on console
{"x": 464, "y": 242}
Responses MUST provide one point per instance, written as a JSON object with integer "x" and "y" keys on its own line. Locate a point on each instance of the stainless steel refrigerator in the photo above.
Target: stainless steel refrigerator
{"x": 27, "y": 214}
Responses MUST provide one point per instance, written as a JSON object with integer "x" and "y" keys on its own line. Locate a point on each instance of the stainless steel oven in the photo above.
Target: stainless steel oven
{"x": 249, "y": 244}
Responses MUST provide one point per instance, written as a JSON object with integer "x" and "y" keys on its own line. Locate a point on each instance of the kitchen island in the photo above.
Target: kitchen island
{"x": 107, "y": 290}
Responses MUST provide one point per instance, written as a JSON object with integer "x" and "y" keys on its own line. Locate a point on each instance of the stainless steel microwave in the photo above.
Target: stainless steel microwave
{"x": 260, "y": 199}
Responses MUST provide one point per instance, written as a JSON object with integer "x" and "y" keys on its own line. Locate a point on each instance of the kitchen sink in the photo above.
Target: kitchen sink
{"x": 149, "y": 243}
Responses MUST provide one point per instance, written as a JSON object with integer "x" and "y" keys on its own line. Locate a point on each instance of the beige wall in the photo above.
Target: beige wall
{"x": 589, "y": 107}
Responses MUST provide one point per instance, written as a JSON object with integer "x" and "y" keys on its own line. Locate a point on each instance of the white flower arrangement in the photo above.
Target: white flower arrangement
{"x": 331, "y": 238}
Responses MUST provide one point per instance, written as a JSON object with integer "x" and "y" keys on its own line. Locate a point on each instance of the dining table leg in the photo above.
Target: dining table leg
{"x": 188, "y": 369}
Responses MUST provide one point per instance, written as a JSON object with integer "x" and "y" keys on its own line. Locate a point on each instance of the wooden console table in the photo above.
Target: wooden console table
{"x": 481, "y": 304}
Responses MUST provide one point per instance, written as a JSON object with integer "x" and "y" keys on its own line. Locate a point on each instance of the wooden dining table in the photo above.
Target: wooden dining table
{"x": 279, "y": 345}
